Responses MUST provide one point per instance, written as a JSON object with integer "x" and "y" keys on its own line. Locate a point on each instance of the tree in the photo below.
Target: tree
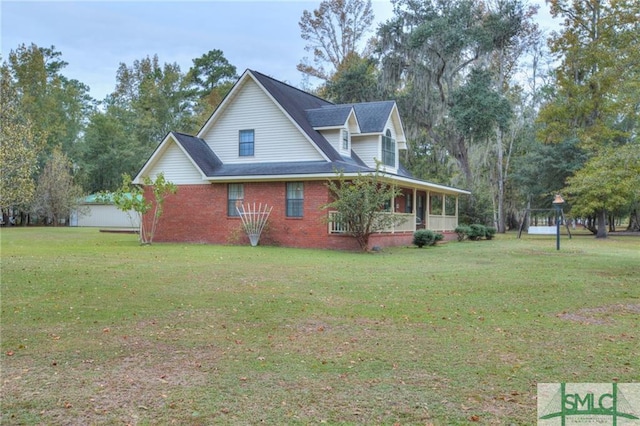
{"x": 597, "y": 87}
{"x": 426, "y": 49}
{"x": 56, "y": 194}
{"x": 212, "y": 77}
{"x": 156, "y": 100}
{"x": 478, "y": 109}
{"x": 481, "y": 113}
{"x": 210, "y": 71}
{"x": 354, "y": 81}
{"x": 607, "y": 182}
{"x": 429, "y": 52}
{"x": 108, "y": 150}
{"x": 56, "y": 106}
{"x": 360, "y": 201}
{"x": 18, "y": 150}
{"x": 332, "y": 32}
{"x": 149, "y": 208}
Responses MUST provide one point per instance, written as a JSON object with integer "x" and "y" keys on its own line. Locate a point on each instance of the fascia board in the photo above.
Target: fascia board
{"x": 330, "y": 176}
{"x": 400, "y": 138}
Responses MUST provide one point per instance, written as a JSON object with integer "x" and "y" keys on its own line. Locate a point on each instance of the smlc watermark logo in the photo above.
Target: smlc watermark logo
{"x": 614, "y": 404}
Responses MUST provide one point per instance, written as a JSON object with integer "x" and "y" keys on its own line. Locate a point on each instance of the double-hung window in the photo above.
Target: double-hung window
{"x": 235, "y": 197}
{"x": 295, "y": 199}
{"x": 388, "y": 150}
{"x": 247, "y": 143}
{"x": 345, "y": 140}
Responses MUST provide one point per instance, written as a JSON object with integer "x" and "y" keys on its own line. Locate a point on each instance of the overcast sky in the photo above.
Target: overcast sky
{"x": 96, "y": 36}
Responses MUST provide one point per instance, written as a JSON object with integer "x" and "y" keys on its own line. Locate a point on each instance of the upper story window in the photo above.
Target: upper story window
{"x": 388, "y": 149}
{"x": 235, "y": 197}
{"x": 345, "y": 140}
{"x": 247, "y": 142}
{"x": 295, "y": 199}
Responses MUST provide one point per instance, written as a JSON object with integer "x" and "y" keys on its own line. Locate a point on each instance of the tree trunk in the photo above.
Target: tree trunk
{"x": 463, "y": 159}
{"x": 634, "y": 221}
{"x": 500, "y": 225}
{"x": 602, "y": 224}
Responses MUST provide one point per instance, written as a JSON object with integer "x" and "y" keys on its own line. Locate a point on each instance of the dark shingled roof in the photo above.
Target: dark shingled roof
{"x": 211, "y": 165}
{"x": 289, "y": 168}
{"x": 200, "y": 152}
{"x": 372, "y": 116}
{"x": 402, "y": 171}
{"x": 308, "y": 111}
{"x": 329, "y": 116}
{"x": 296, "y": 102}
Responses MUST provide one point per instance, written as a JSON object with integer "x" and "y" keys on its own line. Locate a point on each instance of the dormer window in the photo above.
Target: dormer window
{"x": 345, "y": 140}
{"x": 388, "y": 149}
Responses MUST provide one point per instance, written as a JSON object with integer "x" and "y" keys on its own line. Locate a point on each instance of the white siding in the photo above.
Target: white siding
{"x": 367, "y": 148}
{"x": 177, "y": 168}
{"x": 106, "y": 216}
{"x": 334, "y": 137}
{"x": 276, "y": 137}
{"x": 391, "y": 127}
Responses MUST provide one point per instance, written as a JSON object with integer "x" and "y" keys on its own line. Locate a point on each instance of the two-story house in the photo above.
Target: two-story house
{"x": 271, "y": 143}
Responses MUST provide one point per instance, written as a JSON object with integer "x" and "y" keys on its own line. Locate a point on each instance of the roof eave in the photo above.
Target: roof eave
{"x": 324, "y": 176}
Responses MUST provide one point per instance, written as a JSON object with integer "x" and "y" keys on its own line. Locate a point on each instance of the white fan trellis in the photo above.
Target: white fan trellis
{"x": 254, "y": 220}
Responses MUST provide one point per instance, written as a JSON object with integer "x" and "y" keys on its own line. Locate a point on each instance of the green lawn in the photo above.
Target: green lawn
{"x": 99, "y": 330}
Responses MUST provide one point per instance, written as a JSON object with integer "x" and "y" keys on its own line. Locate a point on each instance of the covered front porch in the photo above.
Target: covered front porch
{"x": 420, "y": 209}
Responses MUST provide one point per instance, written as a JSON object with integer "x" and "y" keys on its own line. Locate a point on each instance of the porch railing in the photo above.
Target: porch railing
{"x": 336, "y": 226}
{"x": 442, "y": 223}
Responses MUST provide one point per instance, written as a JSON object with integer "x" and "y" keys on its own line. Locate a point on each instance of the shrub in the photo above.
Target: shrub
{"x": 477, "y": 232}
{"x": 426, "y": 237}
{"x": 491, "y": 232}
{"x": 463, "y": 232}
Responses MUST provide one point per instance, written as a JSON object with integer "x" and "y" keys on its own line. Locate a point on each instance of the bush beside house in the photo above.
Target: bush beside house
{"x": 475, "y": 232}
{"x": 426, "y": 237}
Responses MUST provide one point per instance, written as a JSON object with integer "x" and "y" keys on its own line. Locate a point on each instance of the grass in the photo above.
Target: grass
{"x": 99, "y": 330}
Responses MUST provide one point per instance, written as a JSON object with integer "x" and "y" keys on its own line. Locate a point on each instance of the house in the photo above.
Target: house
{"x": 269, "y": 142}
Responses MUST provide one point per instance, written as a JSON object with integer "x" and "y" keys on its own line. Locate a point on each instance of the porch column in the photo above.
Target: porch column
{"x": 457, "y": 198}
{"x": 415, "y": 207}
{"x": 427, "y": 206}
{"x": 444, "y": 210}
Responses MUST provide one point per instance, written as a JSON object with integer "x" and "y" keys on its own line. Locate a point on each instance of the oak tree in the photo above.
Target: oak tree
{"x": 332, "y": 32}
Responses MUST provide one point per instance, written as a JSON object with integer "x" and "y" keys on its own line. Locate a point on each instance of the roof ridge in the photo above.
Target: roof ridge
{"x": 184, "y": 134}
{"x": 291, "y": 86}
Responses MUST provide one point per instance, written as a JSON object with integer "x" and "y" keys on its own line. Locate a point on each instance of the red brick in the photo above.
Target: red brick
{"x": 198, "y": 214}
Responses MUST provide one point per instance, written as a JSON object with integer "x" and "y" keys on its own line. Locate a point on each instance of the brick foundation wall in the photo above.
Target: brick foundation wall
{"x": 198, "y": 214}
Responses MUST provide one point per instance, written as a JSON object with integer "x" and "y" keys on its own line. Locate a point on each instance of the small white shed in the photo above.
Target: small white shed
{"x": 96, "y": 212}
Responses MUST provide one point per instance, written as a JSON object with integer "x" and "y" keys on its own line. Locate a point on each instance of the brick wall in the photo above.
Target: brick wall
{"x": 198, "y": 214}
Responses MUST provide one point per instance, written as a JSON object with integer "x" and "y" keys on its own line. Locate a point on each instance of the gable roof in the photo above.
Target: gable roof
{"x": 307, "y": 112}
{"x": 295, "y": 103}
{"x": 200, "y": 152}
{"x": 373, "y": 116}
{"x": 212, "y": 167}
{"x": 329, "y": 115}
